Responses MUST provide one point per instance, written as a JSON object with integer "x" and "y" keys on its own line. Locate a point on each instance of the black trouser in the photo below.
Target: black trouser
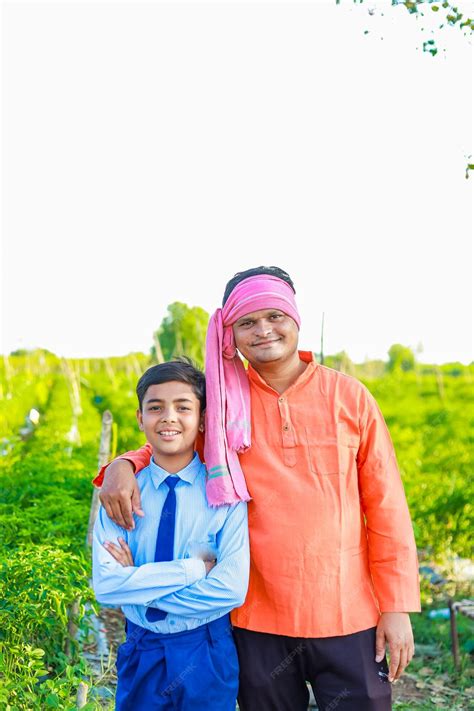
{"x": 341, "y": 670}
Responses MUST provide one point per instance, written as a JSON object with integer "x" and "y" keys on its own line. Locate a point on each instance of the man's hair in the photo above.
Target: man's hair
{"x": 182, "y": 369}
{"x": 240, "y": 276}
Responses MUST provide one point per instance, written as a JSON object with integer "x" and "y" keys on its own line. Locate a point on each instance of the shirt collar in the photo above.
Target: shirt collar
{"x": 188, "y": 474}
{"x": 306, "y": 356}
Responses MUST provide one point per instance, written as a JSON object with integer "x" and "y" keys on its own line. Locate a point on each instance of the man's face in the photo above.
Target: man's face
{"x": 170, "y": 418}
{"x": 266, "y": 336}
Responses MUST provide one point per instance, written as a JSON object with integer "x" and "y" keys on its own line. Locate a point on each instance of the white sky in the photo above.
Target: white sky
{"x": 151, "y": 150}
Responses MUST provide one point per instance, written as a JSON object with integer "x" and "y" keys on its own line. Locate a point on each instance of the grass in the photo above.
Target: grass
{"x": 431, "y": 681}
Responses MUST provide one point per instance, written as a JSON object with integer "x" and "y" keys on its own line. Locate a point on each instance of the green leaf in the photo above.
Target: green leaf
{"x": 52, "y": 700}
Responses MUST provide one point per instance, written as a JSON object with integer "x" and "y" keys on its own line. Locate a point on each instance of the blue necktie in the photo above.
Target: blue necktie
{"x": 165, "y": 539}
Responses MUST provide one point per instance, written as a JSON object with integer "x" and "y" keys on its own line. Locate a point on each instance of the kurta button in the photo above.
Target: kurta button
{"x": 286, "y": 427}
{"x": 281, "y": 399}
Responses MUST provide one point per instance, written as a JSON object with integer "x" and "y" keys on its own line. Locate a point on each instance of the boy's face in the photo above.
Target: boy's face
{"x": 170, "y": 418}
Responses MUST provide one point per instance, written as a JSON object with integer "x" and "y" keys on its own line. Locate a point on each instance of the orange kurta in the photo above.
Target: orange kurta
{"x": 331, "y": 541}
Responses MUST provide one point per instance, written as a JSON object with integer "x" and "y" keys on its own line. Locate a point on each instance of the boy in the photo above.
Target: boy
{"x": 182, "y": 568}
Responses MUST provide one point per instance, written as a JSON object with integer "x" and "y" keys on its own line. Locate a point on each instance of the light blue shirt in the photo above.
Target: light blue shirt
{"x": 179, "y": 587}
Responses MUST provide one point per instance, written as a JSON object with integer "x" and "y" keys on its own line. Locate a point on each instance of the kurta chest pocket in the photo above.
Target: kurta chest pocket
{"x": 332, "y": 449}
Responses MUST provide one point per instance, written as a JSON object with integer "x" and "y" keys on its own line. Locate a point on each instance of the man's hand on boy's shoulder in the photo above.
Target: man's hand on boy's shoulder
{"x": 120, "y": 494}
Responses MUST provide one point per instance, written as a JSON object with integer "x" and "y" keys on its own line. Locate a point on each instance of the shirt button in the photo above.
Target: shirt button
{"x": 281, "y": 399}
{"x": 286, "y": 427}
{"x": 171, "y": 622}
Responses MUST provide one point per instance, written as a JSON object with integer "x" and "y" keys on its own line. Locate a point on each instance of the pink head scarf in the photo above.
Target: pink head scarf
{"x": 227, "y": 387}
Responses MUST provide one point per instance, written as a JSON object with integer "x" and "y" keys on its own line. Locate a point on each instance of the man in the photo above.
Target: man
{"x": 334, "y": 570}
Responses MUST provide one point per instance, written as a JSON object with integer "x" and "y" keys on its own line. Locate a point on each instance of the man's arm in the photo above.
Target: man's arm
{"x": 138, "y": 458}
{"x": 392, "y": 551}
{"x": 115, "y": 584}
{"x": 120, "y": 495}
{"x": 226, "y": 585}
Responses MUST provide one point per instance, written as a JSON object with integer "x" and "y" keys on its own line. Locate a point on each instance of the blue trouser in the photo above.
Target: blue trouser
{"x": 185, "y": 671}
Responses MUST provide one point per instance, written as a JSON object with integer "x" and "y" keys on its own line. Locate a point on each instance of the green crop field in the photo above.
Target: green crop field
{"x": 50, "y": 429}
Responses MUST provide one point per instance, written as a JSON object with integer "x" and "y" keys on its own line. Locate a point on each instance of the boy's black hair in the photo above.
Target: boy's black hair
{"x": 240, "y": 276}
{"x": 182, "y": 369}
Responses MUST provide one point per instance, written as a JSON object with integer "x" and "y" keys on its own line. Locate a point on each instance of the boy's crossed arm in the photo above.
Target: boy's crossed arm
{"x": 179, "y": 587}
{"x": 123, "y": 554}
{"x": 118, "y": 584}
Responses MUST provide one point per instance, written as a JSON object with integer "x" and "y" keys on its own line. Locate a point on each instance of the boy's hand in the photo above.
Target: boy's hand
{"x": 123, "y": 554}
{"x": 120, "y": 495}
{"x": 209, "y": 565}
{"x": 394, "y": 628}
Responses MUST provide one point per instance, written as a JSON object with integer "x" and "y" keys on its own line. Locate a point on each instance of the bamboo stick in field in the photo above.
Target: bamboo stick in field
{"x": 72, "y": 625}
{"x": 104, "y": 454}
{"x": 454, "y": 634}
{"x": 74, "y": 387}
{"x": 158, "y": 350}
{"x": 8, "y": 376}
{"x": 81, "y": 698}
{"x": 138, "y": 370}
{"x": 439, "y": 382}
{"x": 178, "y": 348}
{"x": 110, "y": 372}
